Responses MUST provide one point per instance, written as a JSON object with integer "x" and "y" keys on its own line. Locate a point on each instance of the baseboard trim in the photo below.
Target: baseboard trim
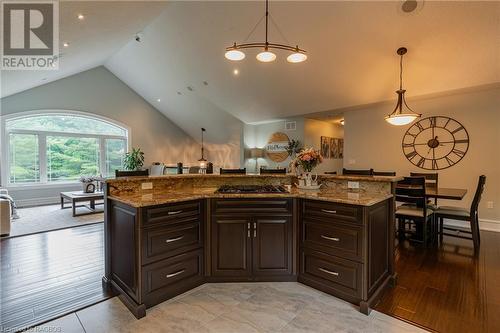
{"x": 37, "y": 202}
{"x": 484, "y": 224}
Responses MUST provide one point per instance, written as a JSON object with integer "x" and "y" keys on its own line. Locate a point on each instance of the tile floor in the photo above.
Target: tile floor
{"x": 235, "y": 308}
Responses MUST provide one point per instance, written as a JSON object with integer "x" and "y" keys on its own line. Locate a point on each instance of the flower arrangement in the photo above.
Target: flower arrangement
{"x": 308, "y": 159}
{"x": 293, "y": 147}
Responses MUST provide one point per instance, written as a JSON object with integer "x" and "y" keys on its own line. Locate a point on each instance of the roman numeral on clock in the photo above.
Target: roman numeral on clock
{"x": 421, "y": 162}
{"x": 432, "y": 121}
{"x": 458, "y": 152}
{"x": 434, "y": 165}
{"x": 411, "y": 154}
{"x": 457, "y": 130}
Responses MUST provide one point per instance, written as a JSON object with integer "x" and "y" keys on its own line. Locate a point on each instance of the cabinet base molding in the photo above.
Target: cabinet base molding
{"x": 138, "y": 310}
{"x": 223, "y": 279}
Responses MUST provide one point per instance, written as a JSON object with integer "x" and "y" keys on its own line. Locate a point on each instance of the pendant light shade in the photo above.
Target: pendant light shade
{"x": 202, "y": 161}
{"x": 234, "y": 54}
{"x": 296, "y": 57}
{"x": 266, "y": 56}
{"x": 402, "y": 114}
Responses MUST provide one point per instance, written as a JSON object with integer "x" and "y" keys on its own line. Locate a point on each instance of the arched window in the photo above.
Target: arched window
{"x": 49, "y": 148}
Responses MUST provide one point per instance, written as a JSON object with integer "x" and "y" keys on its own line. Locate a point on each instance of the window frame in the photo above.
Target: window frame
{"x": 42, "y": 144}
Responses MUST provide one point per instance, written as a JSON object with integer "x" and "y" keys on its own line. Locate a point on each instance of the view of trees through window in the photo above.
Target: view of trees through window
{"x": 57, "y": 148}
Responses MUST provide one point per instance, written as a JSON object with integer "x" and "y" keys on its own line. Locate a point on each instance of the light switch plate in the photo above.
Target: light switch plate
{"x": 147, "y": 186}
{"x": 352, "y": 184}
{"x": 490, "y": 204}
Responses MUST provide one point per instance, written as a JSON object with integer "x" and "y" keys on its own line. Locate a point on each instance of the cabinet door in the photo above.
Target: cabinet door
{"x": 272, "y": 246}
{"x": 231, "y": 247}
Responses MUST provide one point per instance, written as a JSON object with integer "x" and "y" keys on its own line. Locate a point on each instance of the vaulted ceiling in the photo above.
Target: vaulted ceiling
{"x": 351, "y": 48}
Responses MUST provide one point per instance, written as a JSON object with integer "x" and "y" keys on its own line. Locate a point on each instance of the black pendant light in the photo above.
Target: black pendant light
{"x": 402, "y": 114}
{"x": 235, "y": 53}
{"x": 202, "y": 160}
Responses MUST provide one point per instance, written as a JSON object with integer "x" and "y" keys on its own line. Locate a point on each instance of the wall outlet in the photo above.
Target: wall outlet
{"x": 489, "y": 204}
{"x": 352, "y": 161}
{"x": 147, "y": 186}
{"x": 353, "y": 185}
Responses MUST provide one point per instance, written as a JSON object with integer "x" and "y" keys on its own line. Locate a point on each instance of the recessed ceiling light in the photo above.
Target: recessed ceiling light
{"x": 205, "y": 83}
{"x": 409, "y": 6}
{"x": 189, "y": 88}
{"x": 65, "y": 44}
{"x": 236, "y": 72}
{"x": 158, "y": 100}
{"x": 179, "y": 93}
{"x": 81, "y": 17}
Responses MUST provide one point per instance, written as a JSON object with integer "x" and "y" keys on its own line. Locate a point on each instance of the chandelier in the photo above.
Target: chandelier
{"x": 235, "y": 53}
{"x": 402, "y": 114}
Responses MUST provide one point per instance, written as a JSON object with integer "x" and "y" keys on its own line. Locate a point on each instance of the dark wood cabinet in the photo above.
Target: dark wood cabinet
{"x": 345, "y": 250}
{"x": 272, "y": 246}
{"x": 231, "y": 246}
{"x": 251, "y": 239}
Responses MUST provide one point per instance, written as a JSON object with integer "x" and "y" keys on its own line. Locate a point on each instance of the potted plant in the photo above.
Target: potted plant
{"x": 134, "y": 160}
{"x": 307, "y": 160}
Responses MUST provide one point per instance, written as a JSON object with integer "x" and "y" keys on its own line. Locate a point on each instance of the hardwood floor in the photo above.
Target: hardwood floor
{"x": 49, "y": 274}
{"x": 447, "y": 289}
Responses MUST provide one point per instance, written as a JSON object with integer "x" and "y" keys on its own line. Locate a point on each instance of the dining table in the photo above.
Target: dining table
{"x": 445, "y": 193}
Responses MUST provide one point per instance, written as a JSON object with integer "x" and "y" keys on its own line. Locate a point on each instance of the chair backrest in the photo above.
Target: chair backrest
{"x": 431, "y": 179}
{"x": 357, "y": 172}
{"x": 477, "y": 195}
{"x": 272, "y": 171}
{"x": 157, "y": 169}
{"x": 412, "y": 190}
{"x": 384, "y": 173}
{"x": 121, "y": 173}
{"x": 194, "y": 169}
{"x": 330, "y": 172}
{"x": 233, "y": 171}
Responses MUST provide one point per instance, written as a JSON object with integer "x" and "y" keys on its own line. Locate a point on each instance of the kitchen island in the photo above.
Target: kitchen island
{"x": 168, "y": 234}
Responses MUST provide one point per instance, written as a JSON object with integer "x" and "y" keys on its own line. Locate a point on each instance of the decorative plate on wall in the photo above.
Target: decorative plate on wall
{"x": 435, "y": 143}
{"x": 276, "y": 147}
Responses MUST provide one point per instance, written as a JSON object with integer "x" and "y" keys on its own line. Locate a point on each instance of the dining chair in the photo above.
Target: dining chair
{"x": 462, "y": 214}
{"x": 127, "y": 173}
{"x": 272, "y": 171}
{"x": 411, "y": 193}
{"x": 431, "y": 182}
{"x": 368, "y": 172}
{"x": 384, "y": 173}
{"x": 194, "y": 169}
{"x": 330, "y": 172}
{"x": 233, "y": 171}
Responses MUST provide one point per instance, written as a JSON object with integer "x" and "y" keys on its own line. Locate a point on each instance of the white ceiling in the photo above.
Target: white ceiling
{"x": 352, "y": 56}
{"x": 106, "y": 28}
{"x": 351, "y": 47}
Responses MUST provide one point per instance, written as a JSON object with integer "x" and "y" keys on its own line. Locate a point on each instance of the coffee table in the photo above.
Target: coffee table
{"x": 80, "y": 196}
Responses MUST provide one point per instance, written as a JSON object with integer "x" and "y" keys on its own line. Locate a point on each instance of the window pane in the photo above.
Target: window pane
{"x": 24, "y": 158}
{"x": 69, "y": 158}
{"x": 115, "y": 151}
{"x": 65, "y": 123}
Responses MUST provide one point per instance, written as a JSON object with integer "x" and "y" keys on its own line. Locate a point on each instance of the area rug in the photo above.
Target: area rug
{"x": 45, "y": 218}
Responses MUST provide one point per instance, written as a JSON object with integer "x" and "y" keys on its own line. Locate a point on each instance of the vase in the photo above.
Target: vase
{"x": 310, "y": 179}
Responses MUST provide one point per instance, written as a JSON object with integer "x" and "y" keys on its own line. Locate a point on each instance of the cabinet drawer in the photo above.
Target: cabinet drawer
{"x": 167, "y": 214}
{"x": 338, "y": 275}
{"x": 170, "y": 277}
{"x": 332, "y": 211}
{"x": 169, "y": 241}
{"x": 337, "y": 239}
{"x": 254, "y": 206}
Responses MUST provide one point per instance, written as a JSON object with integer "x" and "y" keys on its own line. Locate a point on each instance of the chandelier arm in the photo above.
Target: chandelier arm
{"x": 262, "y": 44}
{"x": 401, "y": 73}
{"x": 267, "y": 18}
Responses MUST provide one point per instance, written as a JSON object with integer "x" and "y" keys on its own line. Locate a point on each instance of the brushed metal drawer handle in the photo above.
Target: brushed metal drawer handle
{"x": 328, "y": 272}
{"x": 170, "y": 240}
{"x": 329, "y": 211}
{"x": 175, "y": 274}
{"x": 335, "y": 239}
{"x": 175, "y": 212}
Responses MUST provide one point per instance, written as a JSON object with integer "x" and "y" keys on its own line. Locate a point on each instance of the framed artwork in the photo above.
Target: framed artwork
{"x": 332, "y": 147}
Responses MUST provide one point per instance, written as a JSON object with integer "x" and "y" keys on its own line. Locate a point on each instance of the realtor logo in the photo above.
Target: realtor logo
{"x": 30, "y": 35}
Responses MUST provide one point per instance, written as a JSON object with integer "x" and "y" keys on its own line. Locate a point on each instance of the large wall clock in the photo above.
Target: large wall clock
{"x": 435, "y": 143}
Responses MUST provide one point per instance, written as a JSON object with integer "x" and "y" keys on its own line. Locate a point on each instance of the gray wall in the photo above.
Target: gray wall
{"x": 98, "y": 91}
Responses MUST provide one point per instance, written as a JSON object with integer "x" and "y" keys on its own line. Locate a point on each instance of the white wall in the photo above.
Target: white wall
{"x": 370, "y": 142}
{"x": 313, "y": 131}
{"x": 257, "y": 136}
{"x": 98, "y": 91}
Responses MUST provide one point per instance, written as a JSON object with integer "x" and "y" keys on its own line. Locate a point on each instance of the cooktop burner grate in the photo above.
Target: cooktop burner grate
{"x": 252, "y": 189}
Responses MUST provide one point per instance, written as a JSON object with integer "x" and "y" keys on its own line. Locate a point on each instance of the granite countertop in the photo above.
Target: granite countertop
{"x": 150, "y": 198}
{"x": 389, "y": 179}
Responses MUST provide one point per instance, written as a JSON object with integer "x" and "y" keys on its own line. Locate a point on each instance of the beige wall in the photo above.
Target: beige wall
{"x": 370, "y": 142}
{"x": 313, "y": 131}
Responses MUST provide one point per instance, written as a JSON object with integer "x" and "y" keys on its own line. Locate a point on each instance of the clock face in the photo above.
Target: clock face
{"x": 435, "y": 143}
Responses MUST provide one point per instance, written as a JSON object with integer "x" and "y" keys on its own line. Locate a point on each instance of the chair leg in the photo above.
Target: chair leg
{"x": 478, "y": 231}
{"x": 441, "y": 229}
{"x": 475, "y": 231}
